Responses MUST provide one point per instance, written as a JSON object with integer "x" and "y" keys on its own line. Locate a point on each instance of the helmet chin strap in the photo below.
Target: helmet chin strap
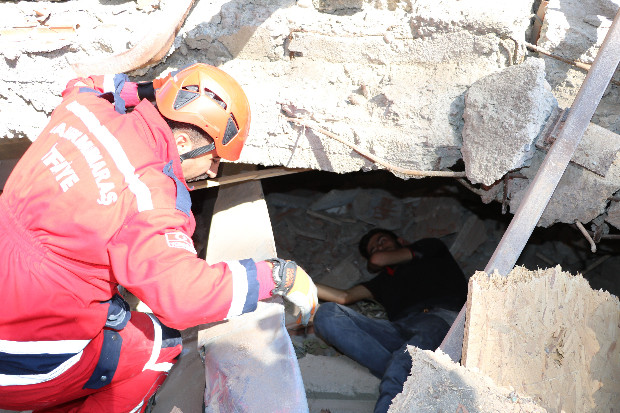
{"x": 194, "y": 153}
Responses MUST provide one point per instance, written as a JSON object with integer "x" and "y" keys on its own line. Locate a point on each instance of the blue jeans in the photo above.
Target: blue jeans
{"x": 381, "y": 345}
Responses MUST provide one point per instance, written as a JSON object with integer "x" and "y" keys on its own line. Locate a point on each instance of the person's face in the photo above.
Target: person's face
{"x": 194, "y": 167}
{"x": 207, "y": 163}
{"x": 382, "y": 242}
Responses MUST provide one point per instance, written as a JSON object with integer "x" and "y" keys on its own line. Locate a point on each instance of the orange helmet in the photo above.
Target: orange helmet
{"x": 209, "y": 98}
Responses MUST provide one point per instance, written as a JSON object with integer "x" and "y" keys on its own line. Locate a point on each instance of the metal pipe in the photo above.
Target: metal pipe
{"x": 551, "y": 170}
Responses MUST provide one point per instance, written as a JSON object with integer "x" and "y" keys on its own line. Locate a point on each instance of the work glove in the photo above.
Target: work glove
{"x": 296, "y": 286}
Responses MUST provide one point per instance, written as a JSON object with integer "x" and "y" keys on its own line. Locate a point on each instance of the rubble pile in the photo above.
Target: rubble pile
{"x": 403, "y": 81}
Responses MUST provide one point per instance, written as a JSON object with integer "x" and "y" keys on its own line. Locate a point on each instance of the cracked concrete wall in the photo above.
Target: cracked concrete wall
{"x": 388, "y": 76}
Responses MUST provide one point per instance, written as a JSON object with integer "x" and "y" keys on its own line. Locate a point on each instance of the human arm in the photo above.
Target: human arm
{"x": 344, "y": 297}
{"x": 153, "y": 257}
{"x": 381, "y": 259}
{"x": 155, "y": 260}
{"x": 124, "y": 92}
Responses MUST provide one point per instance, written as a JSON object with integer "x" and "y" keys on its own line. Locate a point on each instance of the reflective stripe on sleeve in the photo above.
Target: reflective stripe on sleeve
{"x": 245, "y": 287}
{"x": 157, "y": 341}
{"x": 240, "y": 288}
{"x": 116, "y": 151}
{"x": 108, "y": 83}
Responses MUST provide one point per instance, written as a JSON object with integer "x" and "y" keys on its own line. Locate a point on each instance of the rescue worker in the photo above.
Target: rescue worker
{"x": 99, "y": 201}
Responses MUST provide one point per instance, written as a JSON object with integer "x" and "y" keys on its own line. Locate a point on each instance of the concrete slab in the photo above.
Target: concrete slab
{"x": 575, "y": 30}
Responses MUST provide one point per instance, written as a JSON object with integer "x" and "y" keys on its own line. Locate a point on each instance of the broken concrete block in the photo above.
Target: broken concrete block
{"x": 378, "y": 208}
{"x": 437, "y": 384}
{"x": 504, "y": 114}
{"x": 580, "y": 195}
{"x": 613, "y": 214}
{"x": 472, "y": 234}
{"x": 434, "y": 217}
{"x": 338, "y": 6}
{"x": 597, "y": 149}
{"x": 334, "y": 198}
{"x": 344, "y": 275}
{"x": 547, "y": 334}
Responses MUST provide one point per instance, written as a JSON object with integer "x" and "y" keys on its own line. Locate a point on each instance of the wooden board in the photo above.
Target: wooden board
{"x": 240, "y": 228}
{"x": 547, "y": 334}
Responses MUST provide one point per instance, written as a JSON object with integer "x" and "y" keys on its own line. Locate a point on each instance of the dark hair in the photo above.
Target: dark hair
{"x": 363, "y": 245}
{"x": 197, "y": 136}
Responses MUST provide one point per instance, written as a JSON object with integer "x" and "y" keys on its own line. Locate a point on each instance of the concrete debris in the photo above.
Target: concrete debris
{"x": 547, "y": 334}
{"x": 504, "y": 114}
{"x": 338, "y": 6}
{"x": 334, "y": 199}
{"x": 613, "y": 214}
{"x": 596, "y": 151}
{"x": 378, "y": 208}
{"x": 390, "y": 77}
{"x": 437, "y": 384}
{"x": 334, "y": 236}
{"x": 571, "y": 31}
{"x": 435, "y": 217}
{"x": 470, "y": 237}
{"x": 581, "y": 195}
{"x": 348, "y": 274}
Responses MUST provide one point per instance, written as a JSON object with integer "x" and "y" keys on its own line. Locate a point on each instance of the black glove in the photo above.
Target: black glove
{"x": 146, "y": 91}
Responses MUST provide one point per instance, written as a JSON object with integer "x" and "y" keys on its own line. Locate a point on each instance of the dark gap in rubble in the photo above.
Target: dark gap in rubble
{"x": 318, "y": 218}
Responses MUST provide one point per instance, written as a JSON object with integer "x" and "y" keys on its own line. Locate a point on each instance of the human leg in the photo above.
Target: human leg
{"x": 427, "y": 331}
{"x": 148, "y": 351}
{"x": 368, "y": 341}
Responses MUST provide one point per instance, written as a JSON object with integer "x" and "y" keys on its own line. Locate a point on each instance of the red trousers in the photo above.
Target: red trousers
{"x": 146, "y": 356}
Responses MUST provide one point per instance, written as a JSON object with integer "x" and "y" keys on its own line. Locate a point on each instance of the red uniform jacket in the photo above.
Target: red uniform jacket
{"x": 99, "y": 200}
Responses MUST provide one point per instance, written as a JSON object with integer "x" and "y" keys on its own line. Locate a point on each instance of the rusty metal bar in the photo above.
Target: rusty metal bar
{"x": 551, "y": 170}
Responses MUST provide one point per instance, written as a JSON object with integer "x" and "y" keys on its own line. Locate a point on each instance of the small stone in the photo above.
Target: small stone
{"x": 357, "y": 100}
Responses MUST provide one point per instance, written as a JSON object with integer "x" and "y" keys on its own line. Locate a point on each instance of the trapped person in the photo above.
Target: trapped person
{"x": 100, "y": 200}
{"x": 422, "y": 289}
